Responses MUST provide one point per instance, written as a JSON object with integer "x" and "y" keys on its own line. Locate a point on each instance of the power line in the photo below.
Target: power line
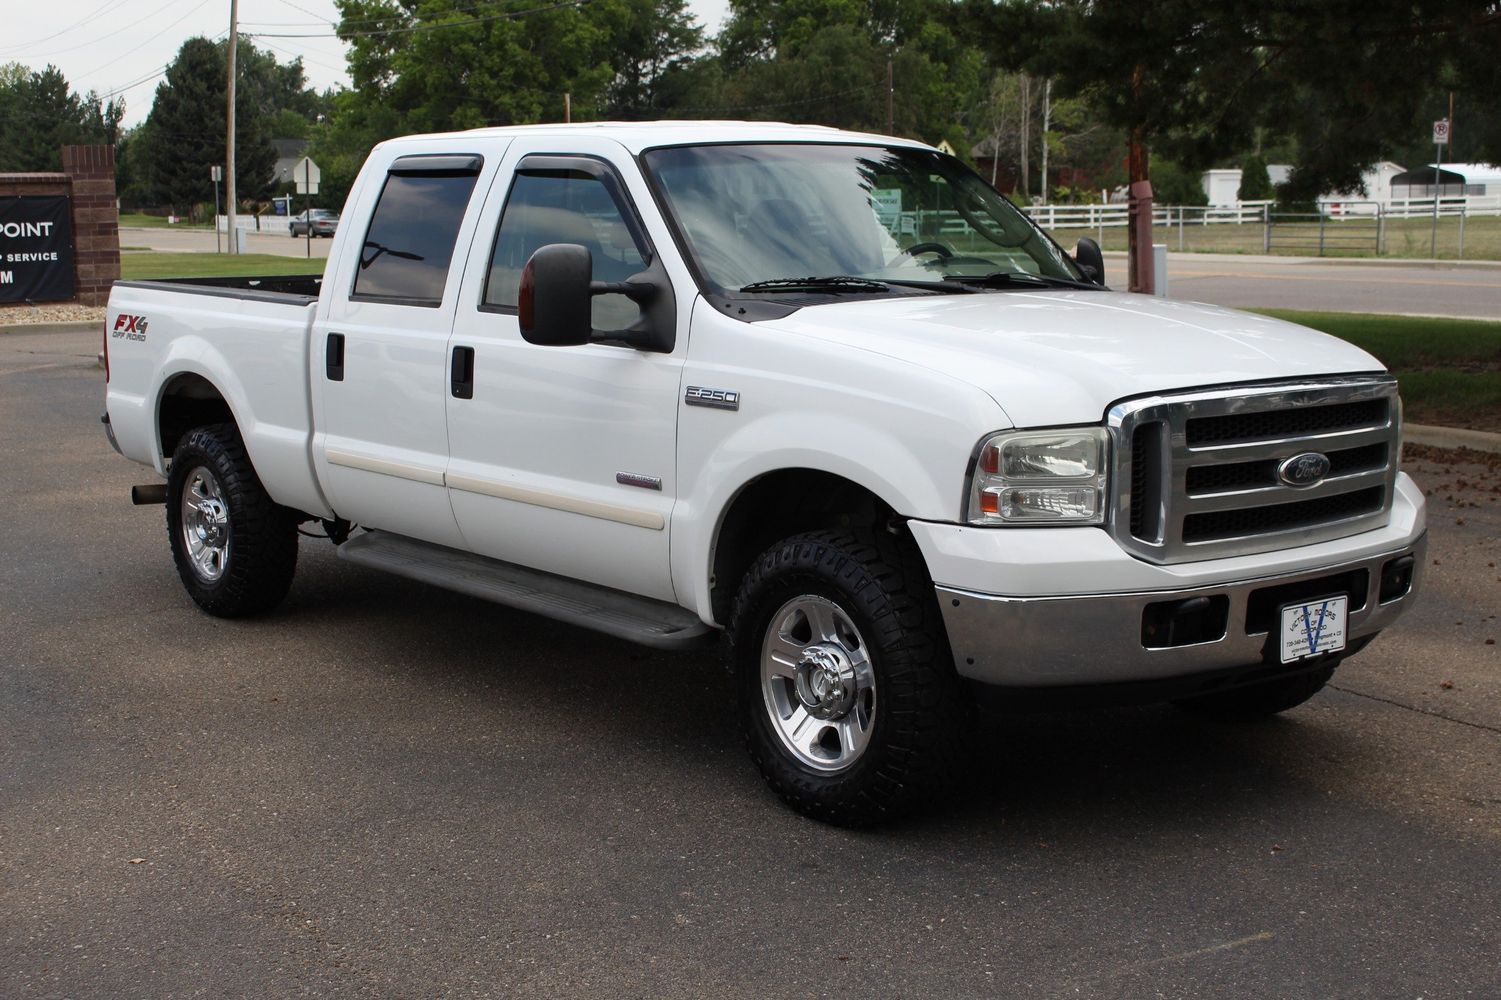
{"x": 303, "y": 56}
{"x": 120, "y": 57}
{"x": 428, "y": 26}
{"x": 457, "y": 8}
{"x": 101, "y": 10}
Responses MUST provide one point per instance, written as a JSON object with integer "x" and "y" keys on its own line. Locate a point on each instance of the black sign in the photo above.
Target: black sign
{"x": 36, "y": 249}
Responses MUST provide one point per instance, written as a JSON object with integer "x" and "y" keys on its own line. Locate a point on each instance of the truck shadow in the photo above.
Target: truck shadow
{"x": 1031, "y": 779}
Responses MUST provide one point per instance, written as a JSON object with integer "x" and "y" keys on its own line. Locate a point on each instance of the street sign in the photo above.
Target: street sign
{"x": 1441, "y": 132}
{"x": 216, "y": 173}
{"x": 307, "y": 175}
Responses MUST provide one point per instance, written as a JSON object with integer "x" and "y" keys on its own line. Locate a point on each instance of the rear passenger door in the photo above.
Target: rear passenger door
{"x": 380, "y": 354}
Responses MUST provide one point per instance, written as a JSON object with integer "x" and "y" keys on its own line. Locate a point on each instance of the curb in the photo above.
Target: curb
{"x": 67, "y": 326}
{"x": 1451, "y": 437}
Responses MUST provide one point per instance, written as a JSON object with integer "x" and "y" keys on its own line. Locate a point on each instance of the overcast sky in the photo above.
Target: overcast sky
{"x": 122, "y": 46}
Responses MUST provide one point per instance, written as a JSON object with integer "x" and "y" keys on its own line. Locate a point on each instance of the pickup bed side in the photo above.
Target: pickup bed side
{"x": 185, "y": 353}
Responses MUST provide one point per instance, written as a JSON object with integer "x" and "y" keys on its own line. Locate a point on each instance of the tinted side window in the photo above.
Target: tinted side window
{"x": 411, "y": 236}
{"x": 565, "y": 208}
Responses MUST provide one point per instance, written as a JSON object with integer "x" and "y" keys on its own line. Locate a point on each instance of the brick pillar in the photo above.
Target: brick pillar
{"x": 96, "y": 220}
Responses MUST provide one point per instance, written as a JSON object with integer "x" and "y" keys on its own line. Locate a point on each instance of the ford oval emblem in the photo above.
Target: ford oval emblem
{"x": 1307, "y": 469}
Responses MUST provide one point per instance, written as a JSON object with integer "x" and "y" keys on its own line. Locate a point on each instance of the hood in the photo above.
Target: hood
{"x": 1062, "y": 357}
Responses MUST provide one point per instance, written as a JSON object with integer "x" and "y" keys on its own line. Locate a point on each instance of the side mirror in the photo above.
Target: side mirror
{"x": 1090, "y": 260}
{"x": 552, "y": 304}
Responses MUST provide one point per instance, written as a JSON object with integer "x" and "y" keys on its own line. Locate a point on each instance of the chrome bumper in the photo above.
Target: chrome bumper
{"x": 1101, "y": 638}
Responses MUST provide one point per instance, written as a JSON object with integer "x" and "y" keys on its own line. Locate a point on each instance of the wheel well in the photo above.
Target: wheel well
{"x": 781, "y": 504}
{"x": 188, "y": 401}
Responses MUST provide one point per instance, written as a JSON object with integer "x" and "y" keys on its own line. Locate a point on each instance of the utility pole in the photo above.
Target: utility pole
{"x": 229, "y": 141}
{"x": 1139, "y": 229}
{"x": 890, "y": 99}
{"x": 1024, "y": 92}
{"x": 1047, "y": 120}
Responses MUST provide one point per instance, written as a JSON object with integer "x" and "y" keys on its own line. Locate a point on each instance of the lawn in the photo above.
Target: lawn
{"x": 1449, "y": 369}
{"x": 139, "y": 220}
{"x": 1350, "y": 237}
{"x": 213, "y": 265}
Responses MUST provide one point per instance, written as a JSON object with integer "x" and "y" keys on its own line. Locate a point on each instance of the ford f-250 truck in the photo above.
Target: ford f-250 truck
{"x": 825, "y": 392}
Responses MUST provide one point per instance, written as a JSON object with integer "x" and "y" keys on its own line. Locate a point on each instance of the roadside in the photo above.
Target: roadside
{"x": 1450, "y": 369}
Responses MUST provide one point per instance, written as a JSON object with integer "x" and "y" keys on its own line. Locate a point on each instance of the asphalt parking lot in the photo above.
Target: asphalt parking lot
{"x": 387, "y": 790}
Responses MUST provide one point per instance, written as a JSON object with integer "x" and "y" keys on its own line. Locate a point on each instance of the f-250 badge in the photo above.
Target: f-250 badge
{"x": 719, "y": 399}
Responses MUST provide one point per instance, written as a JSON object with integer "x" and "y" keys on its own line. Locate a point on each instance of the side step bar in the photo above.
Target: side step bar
{"x": 626, "y": 616}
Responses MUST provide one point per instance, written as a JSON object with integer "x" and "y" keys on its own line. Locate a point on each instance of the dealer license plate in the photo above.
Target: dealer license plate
{"x": 1313, "y": 629}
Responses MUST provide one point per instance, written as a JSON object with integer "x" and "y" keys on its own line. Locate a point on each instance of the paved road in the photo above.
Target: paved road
{"x": 1244, "y": 282}
{"x": 386, "y": 790}
{"x": 1300, "y": 283}
{"x": 202, "y": 241}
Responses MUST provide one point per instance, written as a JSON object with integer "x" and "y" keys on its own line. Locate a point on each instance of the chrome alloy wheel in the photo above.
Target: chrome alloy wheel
{"x": 205, "y": 524}
{"x": 818, "y": 683}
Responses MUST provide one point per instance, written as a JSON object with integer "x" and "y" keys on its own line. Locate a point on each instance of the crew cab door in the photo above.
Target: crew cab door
{"x": 379, "y": 368}
{"x": 562, "y": 458}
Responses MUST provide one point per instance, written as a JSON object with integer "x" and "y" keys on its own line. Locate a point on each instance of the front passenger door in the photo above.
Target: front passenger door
{"x": 563, "y": 458}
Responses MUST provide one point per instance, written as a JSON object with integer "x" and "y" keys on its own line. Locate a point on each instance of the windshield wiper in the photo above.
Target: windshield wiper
{"x": 381, "y": 248}
{"x": 833, "y": 283}
{"x": 1002, "y": 279}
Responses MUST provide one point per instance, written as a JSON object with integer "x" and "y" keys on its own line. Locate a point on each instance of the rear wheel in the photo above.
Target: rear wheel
{"x": 848, "y": 697}
{"x": 235, "y": 548}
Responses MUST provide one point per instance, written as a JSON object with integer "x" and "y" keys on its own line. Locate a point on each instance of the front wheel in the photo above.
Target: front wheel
{"x": 235, "y": 547}
{"x": 848, "y": 698}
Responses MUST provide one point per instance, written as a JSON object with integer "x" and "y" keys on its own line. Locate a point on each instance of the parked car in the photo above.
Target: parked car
{"x": 323, "y": 222}
{"x": 826, "y": 393}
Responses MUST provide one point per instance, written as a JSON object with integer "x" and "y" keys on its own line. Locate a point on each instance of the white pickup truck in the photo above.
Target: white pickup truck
{"x": 826, "y": 392}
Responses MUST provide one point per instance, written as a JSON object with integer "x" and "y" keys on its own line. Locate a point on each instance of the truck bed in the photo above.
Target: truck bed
{"x": 245, "y": 338}
{"x": 296, "y": 288}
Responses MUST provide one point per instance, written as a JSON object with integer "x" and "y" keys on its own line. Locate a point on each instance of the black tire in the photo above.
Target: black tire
{"x": 1259, "y": 701}
{"x": 258, "y": 543}
{"x": 919, "y": 713}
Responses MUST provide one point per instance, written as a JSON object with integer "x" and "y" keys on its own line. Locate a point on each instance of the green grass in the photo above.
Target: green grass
{"x": 1449, "y": 369}
{"x": 140, "y": 220}
{"x": 1351, "y": 237}
{"x": 213, "y": 265}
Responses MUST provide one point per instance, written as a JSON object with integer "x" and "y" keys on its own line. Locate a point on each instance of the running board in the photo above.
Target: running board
{"x": 626, "y": 616}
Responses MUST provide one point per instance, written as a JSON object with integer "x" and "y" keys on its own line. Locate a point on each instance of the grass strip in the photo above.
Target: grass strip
{"x": 214, "y": 265}
{"x": 1449, "y": 369}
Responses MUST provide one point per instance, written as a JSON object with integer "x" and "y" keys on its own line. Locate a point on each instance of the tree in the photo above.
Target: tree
{"x": 441, "y": 68}
{"x": 1336, "y": 78}
{"x": 185, "y": 133}
{"x": 1168, "y": 72}
{"x": 39, "y": 115}
{"x": 828, "y": 61}
{"x": 656, "y": 47}
{"x": 1255, "y": 182}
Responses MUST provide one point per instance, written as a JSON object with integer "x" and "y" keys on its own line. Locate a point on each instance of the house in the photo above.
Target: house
{"x": 288, "y": 153}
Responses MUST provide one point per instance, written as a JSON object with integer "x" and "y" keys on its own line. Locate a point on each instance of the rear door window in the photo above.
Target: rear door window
{"x": 408, "y": 247}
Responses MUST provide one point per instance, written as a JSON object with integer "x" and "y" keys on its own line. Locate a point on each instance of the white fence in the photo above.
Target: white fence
{"x": 276, "y": 225}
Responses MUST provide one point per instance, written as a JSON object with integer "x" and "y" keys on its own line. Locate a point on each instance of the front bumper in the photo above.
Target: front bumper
{"x": 1050, "y": 608}
{"x": 1103, "y": 638}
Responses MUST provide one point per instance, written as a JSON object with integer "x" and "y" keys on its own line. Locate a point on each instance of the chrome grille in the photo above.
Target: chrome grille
{"x": 1197, "y": 474}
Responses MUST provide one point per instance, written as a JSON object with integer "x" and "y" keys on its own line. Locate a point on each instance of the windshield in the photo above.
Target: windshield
{"x": 766, "y": 213}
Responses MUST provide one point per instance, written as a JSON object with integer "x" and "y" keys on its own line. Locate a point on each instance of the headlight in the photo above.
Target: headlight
{"x": 1041, "y": 477}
